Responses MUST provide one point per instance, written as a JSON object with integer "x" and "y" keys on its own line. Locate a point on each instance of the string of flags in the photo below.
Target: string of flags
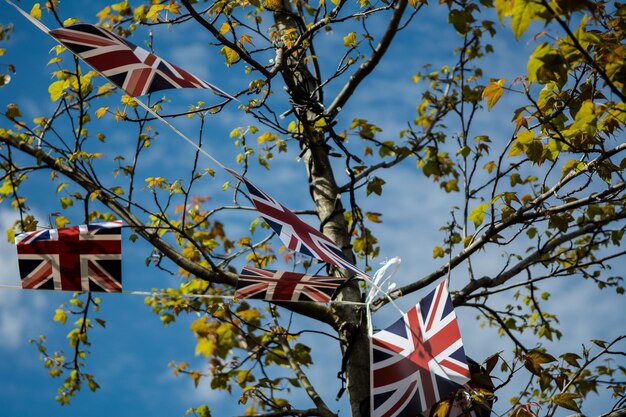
{"x": 416, "y": 362}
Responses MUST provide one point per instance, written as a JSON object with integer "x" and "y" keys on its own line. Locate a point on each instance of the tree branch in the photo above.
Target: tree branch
{"x": 583, "y": 51}
{"x": 324, "y": 411}
{"x": 487, "y": 282}
{"x": 367, "y": 67}
{"x": 313, "y": 310}
{"x": 520, "y": 216}
{"x": 222, "y": 39}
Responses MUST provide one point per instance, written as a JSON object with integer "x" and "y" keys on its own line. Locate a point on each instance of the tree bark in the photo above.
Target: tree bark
{"x": 349, "y": 321}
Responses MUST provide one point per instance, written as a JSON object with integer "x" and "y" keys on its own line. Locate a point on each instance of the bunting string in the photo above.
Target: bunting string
{"x": 166, "y": 294}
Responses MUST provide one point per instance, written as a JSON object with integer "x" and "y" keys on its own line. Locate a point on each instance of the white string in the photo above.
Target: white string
{"x": 181, "y": 134}
{"x": 380, "y": 273}
{"x": 166, "y": 294}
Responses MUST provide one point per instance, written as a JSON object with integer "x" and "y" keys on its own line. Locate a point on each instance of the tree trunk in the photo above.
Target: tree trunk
{"x": 350, "y": 321}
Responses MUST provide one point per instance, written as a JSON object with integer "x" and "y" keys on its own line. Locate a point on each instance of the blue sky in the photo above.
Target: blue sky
{"x": 130, "y": 357}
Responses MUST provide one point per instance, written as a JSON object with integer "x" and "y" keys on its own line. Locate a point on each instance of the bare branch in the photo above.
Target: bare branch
{"x": 367, "y": 67}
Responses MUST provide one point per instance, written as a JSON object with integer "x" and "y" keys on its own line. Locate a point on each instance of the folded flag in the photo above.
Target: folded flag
{"x": 293, "y": 232}
{"x": 77, "y": 258}
{"x": 285, "y": 286}
{"x": 131, "y": 68}
{"x": 418, "y": 360}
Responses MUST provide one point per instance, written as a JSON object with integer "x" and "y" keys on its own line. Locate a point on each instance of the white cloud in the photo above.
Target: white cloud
{"x": 18, "y": 310}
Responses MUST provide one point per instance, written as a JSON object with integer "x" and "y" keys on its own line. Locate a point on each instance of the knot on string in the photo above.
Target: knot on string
{"x": 382, "y": 276}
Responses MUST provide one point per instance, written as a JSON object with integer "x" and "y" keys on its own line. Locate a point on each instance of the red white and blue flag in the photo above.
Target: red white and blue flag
{"x": 285, "y": 286}
{"x": 131, "y": 68}
{"x": 293, "y": 232}
{"x": 77, "y": 258}
{"x": 418, "y": 360}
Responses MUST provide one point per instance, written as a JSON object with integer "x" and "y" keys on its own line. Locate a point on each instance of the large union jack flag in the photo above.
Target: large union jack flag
{"x": 419, "y": 359}
{"x": 293, "y": 232}
{"x": 460, "y": 402}
{"x": 285, "y": 286}
{"x": 131, "y": 68}
{"x": 77, "y": 258}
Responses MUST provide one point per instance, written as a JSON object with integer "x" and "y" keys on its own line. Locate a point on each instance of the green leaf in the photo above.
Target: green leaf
{"x": 534, "y": 151}
{"x": 566, "y": 400}
{"x": 545, "y": 65}
{"x": 571, "y": 358}
{"x": 375, "y": 185}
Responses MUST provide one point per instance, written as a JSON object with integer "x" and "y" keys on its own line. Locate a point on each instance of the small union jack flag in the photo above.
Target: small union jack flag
{"x": 293, "y": 232}
{"x": 78, "y": 258}
{"x": 419, "y": 359}
{"x": 131, "y": 68}
{"x": 285, "y": 286}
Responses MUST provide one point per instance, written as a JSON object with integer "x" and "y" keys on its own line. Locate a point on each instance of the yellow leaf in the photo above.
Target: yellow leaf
{"x": 60, "y": 316}
{"x": 225, "y": 28}
{"x": 95, "y": 194}
{"x": 2, "y": 51}
{"x": 153, "y": 12}
{"x": 70, "y": 21}
{"x": 245, "y": 38}
{"x": 173, "y": 8}
{"x": 230, "y": 55}
{"x": 102, "y": 14}
{"x": 11, "y": 236}
{"x": 100, "y": 112}
{"x": 438, "y": 252}
{"x": 493, "y": 92}
{"x": 267, "y": 137}
{"x": 373, "y": 217}
{"x": 478, "y": 214}
{"x": 129, "y": 101}
{"x": 442, "y": 409}
{"x": 56, "y": 89}
{"x": 350, "y": 40}
{"x": 36, "y": 11}
{"x": 61, "y": 221}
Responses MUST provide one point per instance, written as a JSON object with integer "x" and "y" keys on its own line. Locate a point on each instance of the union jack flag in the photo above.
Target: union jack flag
{"x": 419, "y": 359}
{"x": 285, "y": 286}
{"x": 77, "y": 258}
{"x": 293, "y": 232}
{"x": 131, "y": 68}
